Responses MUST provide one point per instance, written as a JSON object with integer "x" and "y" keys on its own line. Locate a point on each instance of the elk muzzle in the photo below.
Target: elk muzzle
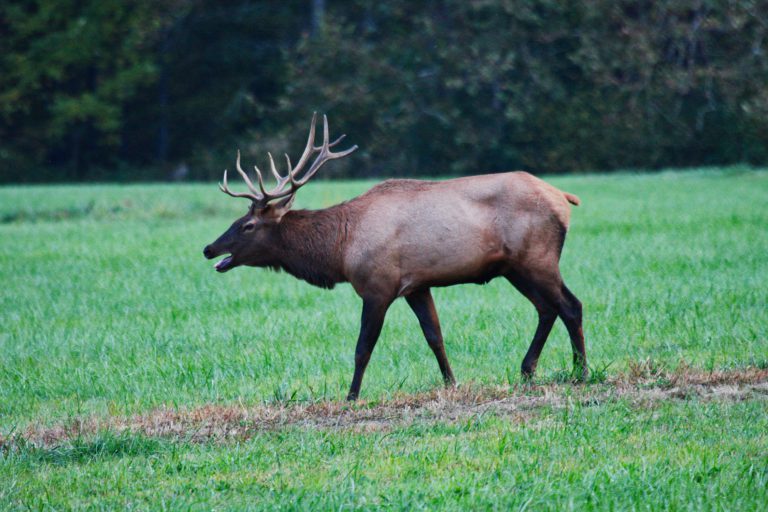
{"x": 211, "y": 252}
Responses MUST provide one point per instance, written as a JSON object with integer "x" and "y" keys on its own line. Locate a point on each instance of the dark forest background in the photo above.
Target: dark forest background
{"x": 169, "y": 89}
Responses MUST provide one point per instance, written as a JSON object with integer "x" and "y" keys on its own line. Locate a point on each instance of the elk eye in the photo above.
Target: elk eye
{"x": 248, "y": 227}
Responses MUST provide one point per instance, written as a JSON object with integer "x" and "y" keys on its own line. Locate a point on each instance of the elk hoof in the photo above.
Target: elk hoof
{"x": 581, "y": 374}
{"x": 528, "y": 372}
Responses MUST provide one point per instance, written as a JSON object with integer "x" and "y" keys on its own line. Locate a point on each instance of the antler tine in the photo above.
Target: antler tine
{"x": 337, "y": 140}
{"x": 323, "y": 149}
{"x": 279, "y": 190}
{"x": 263, "y": 196}
{"x": 319, "y": 162}
{"x": 325, "y": 155}
{"x": 344, "y": 153}
{"x": 326, "y": 131}
{"x": 272, "y": 168}
{"x": 309, "y": 149}
{"x": 289, "y": 175}
{"x": 326, "y": 136}
{"x": 225, "y": 188}
{"x": 260, "y": 179}
{"x": 327, "y": 145}
{"x": 247, "y": 180}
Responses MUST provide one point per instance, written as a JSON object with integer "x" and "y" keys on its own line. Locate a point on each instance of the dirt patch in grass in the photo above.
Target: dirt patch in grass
{"x": 642, "y": 385}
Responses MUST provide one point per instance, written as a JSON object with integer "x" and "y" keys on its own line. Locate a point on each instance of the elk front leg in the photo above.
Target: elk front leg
{"x": 424, "y": 307}
{"x": 372, "y": 320}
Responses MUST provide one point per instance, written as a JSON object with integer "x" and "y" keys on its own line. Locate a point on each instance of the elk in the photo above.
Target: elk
{"x": 404, "y": 237}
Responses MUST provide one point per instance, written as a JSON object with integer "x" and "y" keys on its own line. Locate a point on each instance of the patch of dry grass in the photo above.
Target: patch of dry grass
{"x": 643, "y": 385}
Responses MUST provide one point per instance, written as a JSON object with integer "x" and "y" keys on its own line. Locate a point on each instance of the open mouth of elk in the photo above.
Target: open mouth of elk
{"x": 223, "y": 265}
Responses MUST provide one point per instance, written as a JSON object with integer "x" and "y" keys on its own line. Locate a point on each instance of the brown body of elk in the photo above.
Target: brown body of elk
{"x": 403, "y": 237}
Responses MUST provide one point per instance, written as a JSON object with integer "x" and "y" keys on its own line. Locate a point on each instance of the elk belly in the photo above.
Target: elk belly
{"x": 474, "y": 262}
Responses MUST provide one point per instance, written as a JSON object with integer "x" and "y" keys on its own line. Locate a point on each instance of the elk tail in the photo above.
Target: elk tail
{"x": 572, "y": 198}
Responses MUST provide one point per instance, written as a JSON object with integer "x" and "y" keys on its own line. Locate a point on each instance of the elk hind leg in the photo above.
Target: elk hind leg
{"x": 547, "y": 311}
{"x": 570, "y": 311}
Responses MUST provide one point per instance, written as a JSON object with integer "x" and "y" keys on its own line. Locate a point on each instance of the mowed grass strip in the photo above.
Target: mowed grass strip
{"x": 644, "y": 385}
{"x": 109, "y": 310}
{"x": 674, "y": 455}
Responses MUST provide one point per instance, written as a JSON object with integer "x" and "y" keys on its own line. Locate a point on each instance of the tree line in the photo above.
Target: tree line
{"x": 154, "y": 89}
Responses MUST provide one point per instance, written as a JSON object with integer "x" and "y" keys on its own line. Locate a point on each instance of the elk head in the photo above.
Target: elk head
{"x": 251, "y": 239}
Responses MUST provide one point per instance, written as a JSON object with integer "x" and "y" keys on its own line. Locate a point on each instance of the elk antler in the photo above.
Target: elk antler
{"x": 262, "y": 197}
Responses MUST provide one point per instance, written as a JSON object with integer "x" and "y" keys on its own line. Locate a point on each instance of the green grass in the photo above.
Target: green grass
{"x": 612, "y": 457}
{"x": 107, "y": 306}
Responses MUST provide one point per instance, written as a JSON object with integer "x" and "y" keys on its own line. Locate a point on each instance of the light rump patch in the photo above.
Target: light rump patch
{"x": 519, "y": 403}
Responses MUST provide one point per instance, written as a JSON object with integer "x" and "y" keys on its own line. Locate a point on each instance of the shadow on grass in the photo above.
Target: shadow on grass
{"x": 81, "y": 449}
{"x": 69, "y": 213}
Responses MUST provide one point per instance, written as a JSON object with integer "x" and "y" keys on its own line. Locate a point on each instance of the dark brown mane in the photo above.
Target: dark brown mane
{"x": 310, "y": 245}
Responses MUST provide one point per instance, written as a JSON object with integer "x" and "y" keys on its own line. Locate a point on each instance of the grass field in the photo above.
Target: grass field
{"x": 109, "y": 310}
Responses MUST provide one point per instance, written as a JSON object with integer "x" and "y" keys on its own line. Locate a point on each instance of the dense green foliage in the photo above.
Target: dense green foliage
{"x": 108, "y": 307}
{"x": 96, "y": 88}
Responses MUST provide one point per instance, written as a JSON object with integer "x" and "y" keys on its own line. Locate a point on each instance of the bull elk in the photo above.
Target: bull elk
{"x": 403, "y": 237}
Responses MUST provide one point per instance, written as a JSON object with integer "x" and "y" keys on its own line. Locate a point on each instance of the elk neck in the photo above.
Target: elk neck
{"x": 311, "y": 245}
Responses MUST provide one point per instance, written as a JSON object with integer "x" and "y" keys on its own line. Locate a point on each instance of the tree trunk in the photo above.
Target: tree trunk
{"x": 318, "y": 14}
